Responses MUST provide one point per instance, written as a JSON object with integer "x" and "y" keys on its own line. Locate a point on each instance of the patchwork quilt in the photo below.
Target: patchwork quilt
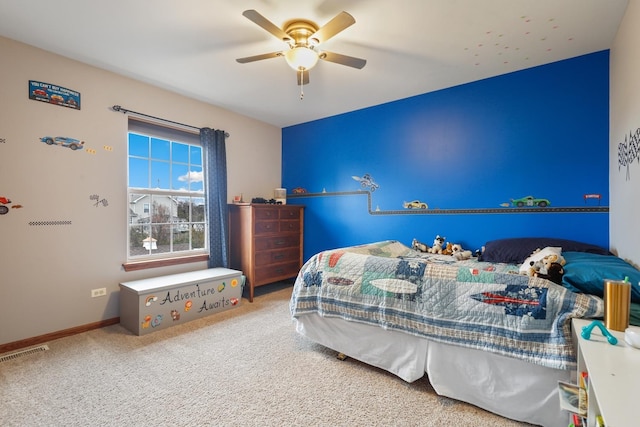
{"x": 480, "y": 305}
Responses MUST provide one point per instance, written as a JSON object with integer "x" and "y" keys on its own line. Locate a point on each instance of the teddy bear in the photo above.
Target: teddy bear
{"x": 458, "y": 253}
{"x": 535, "y": 263}
{"x": 438, "y": 245}
{"x": 555, "y": 271}
{"x": 554, "y": 258}
{"x": 535, "y": 268}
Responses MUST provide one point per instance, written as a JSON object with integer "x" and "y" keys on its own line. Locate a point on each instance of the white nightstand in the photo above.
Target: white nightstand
{"x": 614, "y": 376}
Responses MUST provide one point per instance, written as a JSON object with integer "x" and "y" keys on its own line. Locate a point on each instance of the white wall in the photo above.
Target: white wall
{"x": 47, "y": 271}
{"x": 625, "y": 120}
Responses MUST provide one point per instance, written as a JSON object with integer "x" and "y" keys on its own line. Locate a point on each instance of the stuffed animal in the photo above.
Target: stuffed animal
{"x": 551, "y": 267}
{"x": 418, "y": 246}
{"x": 535, "y": 263}
{"x": 438, "y": 245}
{"x": 535, "y": 268}
{"x": 448, "y": 249}
{"x": 459, "y": 253}
{"x": 555, "y": 271}
{"x": 554, "y": 258}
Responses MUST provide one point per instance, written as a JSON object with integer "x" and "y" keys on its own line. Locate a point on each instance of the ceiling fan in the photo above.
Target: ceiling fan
{"x": 303, "y": 38}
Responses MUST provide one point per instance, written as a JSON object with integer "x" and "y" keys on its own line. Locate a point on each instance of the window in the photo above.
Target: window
{"x": 167, "y": 215}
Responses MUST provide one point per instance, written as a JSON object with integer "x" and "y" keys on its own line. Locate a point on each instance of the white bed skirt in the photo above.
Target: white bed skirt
{"x": 505, "y": 386}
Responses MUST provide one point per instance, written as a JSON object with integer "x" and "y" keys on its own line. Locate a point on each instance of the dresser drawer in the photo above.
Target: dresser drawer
{"x": 276, "y": 242}
{"x": 277, "y": 256}
{"x": 266, "y": 213}
{"x": 290, "y": 226}
{"x": 264, "y": 227}
{"x": 273, "y": 273}
{"x": 290, "y": 213}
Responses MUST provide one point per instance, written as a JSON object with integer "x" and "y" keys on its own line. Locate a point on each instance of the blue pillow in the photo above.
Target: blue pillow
{"x": 585, "y": 272}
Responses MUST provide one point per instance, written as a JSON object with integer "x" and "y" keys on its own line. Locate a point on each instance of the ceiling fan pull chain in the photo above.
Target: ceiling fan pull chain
{"x": 301, "y": 86}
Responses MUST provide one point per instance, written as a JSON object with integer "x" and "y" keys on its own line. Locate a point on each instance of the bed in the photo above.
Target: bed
{"x": 480, "y": 330}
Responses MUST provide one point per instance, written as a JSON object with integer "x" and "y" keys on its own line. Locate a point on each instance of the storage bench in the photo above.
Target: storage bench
{"x": 156, "y": 303}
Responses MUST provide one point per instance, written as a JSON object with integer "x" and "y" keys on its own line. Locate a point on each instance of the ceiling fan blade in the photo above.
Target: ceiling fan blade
{"x": 266, "y": 24}
{"x": 333, "y": 27}
{"x": 305, "y": 77}
{"x": 349, "y": 61}
{"x": 259, "y": 57}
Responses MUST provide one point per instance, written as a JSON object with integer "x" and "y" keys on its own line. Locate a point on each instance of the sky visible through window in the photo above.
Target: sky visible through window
{"x": 156, "y": 163}
{"x": 166, "y": 196}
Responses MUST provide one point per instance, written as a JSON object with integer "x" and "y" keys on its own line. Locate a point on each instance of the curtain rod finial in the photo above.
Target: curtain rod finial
{"x": 116, "y": 108}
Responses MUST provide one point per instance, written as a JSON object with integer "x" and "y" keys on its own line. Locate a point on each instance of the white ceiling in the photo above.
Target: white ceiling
{"x": 411, "y": 46}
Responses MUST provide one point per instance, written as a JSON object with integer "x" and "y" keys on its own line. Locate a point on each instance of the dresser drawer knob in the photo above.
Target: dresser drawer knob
{"x": 279, "y": 242}
{"x": 278, "y": 256}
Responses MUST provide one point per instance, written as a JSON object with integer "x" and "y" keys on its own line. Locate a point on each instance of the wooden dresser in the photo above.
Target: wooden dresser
{"x": 265, "y": 242}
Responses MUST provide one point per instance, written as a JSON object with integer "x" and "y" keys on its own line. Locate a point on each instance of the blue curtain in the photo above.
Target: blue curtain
{"x": 215, "y": 154}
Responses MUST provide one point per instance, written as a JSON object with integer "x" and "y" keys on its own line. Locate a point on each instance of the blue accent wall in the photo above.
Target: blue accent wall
{"x": 466, "y": 151}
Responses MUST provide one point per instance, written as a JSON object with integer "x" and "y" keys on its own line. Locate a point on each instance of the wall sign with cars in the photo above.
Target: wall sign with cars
{"x": 52, "y": 94}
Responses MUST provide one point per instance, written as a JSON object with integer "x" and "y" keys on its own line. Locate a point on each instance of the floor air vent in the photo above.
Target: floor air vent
{"x": 21, "y": 353}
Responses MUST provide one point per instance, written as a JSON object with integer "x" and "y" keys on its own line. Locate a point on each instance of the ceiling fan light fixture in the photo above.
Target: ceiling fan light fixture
{"x": 301, "y": 58}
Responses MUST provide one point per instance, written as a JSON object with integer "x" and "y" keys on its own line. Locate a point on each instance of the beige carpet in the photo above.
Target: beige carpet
{"x": 243, "y": 367}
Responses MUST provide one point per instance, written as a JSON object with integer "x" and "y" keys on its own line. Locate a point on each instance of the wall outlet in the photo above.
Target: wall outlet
{"x": 100, "y": 292}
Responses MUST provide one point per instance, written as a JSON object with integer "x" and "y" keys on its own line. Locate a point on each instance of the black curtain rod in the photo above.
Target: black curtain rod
{"x": 125, "y": 111}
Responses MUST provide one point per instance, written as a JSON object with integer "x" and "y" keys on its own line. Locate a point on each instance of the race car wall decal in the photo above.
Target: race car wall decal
{"x": 63, "y": 141}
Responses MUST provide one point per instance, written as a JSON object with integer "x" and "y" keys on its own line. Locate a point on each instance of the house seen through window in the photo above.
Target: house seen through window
{"x": 166, "y": 193}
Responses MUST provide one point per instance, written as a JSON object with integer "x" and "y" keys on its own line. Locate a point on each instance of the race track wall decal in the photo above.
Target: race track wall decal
{"x": 39, "y": 223}
{"x": 451, "y": 211}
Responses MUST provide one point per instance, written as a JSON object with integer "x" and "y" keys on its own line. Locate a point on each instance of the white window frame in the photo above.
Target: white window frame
{"x": 175, "y": 225}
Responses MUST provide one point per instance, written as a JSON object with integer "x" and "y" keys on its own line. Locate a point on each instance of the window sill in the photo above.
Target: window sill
{"x": 143, "y": 265}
